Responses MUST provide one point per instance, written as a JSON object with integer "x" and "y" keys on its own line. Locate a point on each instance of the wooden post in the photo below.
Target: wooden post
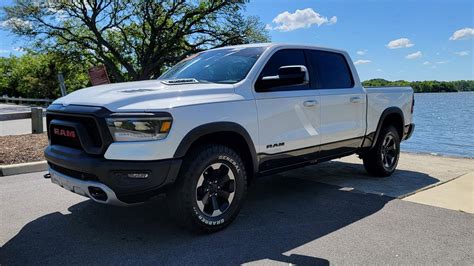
{"x": 36, "y": 120}
{"x": 62, "y": 86}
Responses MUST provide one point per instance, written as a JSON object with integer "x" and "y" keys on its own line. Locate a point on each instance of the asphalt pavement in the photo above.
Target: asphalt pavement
{"x": 286, "y": 219}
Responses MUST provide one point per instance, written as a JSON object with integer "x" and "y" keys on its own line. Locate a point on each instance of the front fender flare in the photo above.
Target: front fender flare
{"x": 217, "y": 127}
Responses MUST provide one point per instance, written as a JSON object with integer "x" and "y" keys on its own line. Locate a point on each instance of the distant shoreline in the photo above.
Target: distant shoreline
{"x": 444, "y": 91}
{"x": 425, "y": 86}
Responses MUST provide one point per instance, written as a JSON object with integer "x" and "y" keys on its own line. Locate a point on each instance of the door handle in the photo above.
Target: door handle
{"x": 355, "y": 99}
{"x": 310, "y": 103}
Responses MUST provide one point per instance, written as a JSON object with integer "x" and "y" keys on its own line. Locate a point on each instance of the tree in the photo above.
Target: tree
{"x": 425, "y": 86}
{"x": 35, "y": 75}
{"x": 134, "y": 39}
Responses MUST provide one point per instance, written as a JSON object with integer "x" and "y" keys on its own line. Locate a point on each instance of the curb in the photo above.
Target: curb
{"x": 23, "y": 168}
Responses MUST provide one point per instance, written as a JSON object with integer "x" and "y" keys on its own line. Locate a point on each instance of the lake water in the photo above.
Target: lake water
{"x": 444, "y": 124}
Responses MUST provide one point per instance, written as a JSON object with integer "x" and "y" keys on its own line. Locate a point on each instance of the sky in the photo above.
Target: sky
{"x": 409, "y": 40}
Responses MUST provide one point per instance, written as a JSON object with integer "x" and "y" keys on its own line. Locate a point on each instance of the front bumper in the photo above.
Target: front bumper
{"x": 86, "y": 188}
{"x": 78, "y": 171}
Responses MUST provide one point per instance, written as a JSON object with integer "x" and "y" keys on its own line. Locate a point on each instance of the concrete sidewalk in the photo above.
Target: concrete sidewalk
{"x": 457, "y": 194}
{"x": 17, "y": 127}
{"x": 414, "y": 172}
{"x": 438, "y": 181}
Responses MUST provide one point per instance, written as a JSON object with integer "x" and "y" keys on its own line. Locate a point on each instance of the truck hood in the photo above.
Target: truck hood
{"x": 149, "y": 95}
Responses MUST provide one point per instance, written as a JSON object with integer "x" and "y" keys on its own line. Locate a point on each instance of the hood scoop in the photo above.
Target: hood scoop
{"x": 136, "y": 90}
{"x": 179, "y": 81}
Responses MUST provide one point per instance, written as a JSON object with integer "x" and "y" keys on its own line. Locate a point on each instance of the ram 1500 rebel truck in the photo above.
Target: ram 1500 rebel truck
{"x": 216, "y": 121}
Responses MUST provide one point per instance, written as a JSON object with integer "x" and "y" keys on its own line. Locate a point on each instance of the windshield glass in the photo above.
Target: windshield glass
{"x": 228, "y": 65}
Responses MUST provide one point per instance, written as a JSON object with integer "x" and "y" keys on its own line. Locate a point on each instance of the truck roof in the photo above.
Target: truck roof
{"x": 284, "y": 45}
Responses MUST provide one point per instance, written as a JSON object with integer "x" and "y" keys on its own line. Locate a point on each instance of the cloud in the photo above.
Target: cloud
{"x": 305, "y": 18}
{"x": 379, "y": 70}
{"x": 462, "y": 34}
{"x": 362, "y": 52}
{"x": 361, "y": 62}
{"x": 15, "y": 23}
{"x": 426, "y": 63}
{"x": 2, "y": 51}
{"x": 414, "y": 55}
{"x": 462, "y": 53}
{"x": 442, "y": 62}
{"x": 400, "y": 43}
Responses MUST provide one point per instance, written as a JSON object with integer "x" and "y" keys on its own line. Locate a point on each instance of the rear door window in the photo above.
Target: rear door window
{"x": 332, "y": 70}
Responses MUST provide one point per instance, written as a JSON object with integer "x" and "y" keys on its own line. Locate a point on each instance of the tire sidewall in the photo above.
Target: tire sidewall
{"x": 237, "y": 167}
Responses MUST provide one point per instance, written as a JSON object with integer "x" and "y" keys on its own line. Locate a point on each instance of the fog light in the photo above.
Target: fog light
{"x": 138, "y": 175}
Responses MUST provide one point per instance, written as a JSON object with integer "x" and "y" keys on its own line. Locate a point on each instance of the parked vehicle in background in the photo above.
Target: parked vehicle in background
{"x": 217, "y": 120}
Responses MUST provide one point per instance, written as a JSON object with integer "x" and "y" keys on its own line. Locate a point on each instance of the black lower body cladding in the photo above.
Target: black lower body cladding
{"x": 132, "y": 181}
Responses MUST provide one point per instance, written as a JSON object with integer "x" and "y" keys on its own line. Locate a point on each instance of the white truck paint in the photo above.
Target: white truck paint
{"x": 268, "y": 117}
{"x": 218, "y": 119}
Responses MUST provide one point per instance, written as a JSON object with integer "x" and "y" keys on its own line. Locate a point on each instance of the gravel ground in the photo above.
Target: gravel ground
{"x": 22, "y": 148}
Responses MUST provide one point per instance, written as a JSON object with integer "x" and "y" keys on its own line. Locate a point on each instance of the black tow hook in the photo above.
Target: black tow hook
{"x": 47, "y": 176}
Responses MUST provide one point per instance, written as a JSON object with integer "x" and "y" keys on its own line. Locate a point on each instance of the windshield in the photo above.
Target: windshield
{"x": 228, "y": 65}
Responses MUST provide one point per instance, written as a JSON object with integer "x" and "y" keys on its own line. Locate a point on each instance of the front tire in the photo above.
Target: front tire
{"x": 382, "y": 160}
{"x": 210, "y": 189}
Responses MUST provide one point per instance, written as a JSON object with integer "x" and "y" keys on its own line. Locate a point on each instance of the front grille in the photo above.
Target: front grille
{"x": 85, "y": 127}
{"x": 88, "y": 122}
{"x": 73, "y": 173}
{"x": 69, "y": 140}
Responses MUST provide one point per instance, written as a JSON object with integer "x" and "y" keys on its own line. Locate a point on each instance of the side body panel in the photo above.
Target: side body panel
{"x": 286, "y": 124}
{"x": 343, "y": 114}
{"x": 381, "y": 98}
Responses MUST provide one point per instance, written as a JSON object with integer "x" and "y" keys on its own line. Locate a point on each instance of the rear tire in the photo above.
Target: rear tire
{"x": 382, "y": 159}
{"x": 210, "y": 189}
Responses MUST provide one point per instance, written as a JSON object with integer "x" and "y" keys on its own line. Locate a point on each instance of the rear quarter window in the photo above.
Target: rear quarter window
{"x": 333, "y": 72}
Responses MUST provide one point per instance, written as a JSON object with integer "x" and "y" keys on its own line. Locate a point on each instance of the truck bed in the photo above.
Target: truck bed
{"x": 381, "y": 98}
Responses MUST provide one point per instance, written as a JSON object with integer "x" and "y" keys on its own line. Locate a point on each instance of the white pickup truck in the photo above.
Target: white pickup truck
{"x": 216, "y": 121}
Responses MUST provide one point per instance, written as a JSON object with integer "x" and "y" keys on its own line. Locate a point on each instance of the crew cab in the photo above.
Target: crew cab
{"x": 215, "y": 122}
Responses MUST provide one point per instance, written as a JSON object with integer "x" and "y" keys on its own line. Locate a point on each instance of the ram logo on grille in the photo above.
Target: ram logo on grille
{"x": 64, "y": 133}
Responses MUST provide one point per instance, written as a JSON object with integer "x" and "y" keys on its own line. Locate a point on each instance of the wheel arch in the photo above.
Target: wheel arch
{"x": 221, "y": 132}
{"x": 390, "y": 116}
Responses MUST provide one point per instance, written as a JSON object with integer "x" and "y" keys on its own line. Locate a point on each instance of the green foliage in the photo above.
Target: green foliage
{"x": 134, "y": 39}
{"x": 425, "y": 86}
{"x": 35, "y": 75}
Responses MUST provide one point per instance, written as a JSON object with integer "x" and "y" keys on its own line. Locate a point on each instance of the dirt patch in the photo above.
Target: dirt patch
{"x": 22, "y": 148}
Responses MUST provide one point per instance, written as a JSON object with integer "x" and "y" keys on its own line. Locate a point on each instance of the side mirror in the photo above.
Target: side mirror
{"x": 287, "y": 76}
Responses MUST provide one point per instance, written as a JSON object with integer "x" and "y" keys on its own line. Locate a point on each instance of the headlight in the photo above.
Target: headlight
{"x": 139, "y": 128}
